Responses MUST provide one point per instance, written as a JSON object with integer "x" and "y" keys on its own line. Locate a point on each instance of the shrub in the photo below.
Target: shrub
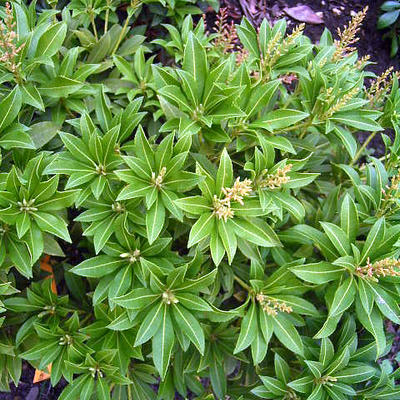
{"x": 214, "y": 225}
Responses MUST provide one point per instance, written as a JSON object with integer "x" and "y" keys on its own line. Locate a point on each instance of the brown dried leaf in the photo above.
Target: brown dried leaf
{"x": 304, "y": 14}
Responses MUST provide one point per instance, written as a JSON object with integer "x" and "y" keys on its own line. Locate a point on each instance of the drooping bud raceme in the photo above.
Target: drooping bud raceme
{"x": 381, "y": 85}
{"x": 341, "y": 102}
{"x": 276, "y": 180}
{"x": 348, "y": 36}
{"x": 222, "y": 208}
{"x": 378, "y": 269}
{"x": 272, "y": 306}
{"x": 389, "y": 203}
{"x": 8, "y": 43}
{"x": 239, "y": 190}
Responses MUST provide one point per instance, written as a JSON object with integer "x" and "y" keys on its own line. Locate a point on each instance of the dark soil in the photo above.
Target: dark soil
{"x": 336, "y": 13}
{"x": 26, "y": 390}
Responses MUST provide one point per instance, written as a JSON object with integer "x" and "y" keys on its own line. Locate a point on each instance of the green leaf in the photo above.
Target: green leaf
{"x": 355, "y": 120}
{"x": 136, "y": 299}
{"x": 192, "y": 302}
{"x": 388, "y": 18}
{"x": 349, "y": 218}
{"x": 43, "y": 132}
{"x": 195, "y": 285}
{"x": 300, "y": 179}
{"x": 315, "y": 367}
{"x": 163, "y": 343}
{"x": 357, "y": 374}
{"x": 224, "y": 173}
{"x": 201, "y": 229}
{"x": 189, "y": 326}
{"x": 10, "y": 107}
{"x": 248, "y": 37}
{"x": 194, "y": 204}
{"x": 248, "y": 329}
{"x": 102, "y": 389}
{"x": 73, "y": 390}
{"x": 343, "y": 298}
{"x": 256, "y": 231}
{"x": 373, "y": 239}
{"x": 16, "y": 139}
{"x": 227, "y": 234}
{"x": 385, "y": 302}
{"x": 97, "y": 267}
{"x": 326, "y": 352}
{"x": 60, "y": 87}
{"x": 52, "y": 224}
{"x": 274, "y": 385}
{"x": 279, "y": 119}
{"x": 261, "y": 96}
{"x": 338, "y": 238}
{"x": 103, "y": 112}
{"x": 31, "y": 96}
{"x": 195, "y": 62}
{"x": 51, "y": 40}
{"x": 373, "y": 323}
{"x": 318, "y": 273}
{"x": 287, "y": 334}
{"x": 347, "y": 139}
{"x": 150, "y": 324}
{"x": 155, "y": 220}
{"x": 20, "y": 256}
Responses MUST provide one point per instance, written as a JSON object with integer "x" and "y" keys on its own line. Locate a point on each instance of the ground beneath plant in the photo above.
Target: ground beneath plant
{"x": 335, "y": 14}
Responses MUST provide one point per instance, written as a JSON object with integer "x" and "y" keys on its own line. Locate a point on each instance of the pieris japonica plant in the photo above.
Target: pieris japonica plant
{"x": 209, "y": 226}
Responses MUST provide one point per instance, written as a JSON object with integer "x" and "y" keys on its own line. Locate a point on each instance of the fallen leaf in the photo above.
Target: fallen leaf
{"x": 304, "y": 14}
{"x": 45, "y": 265}
{"x": 41, "y": 375}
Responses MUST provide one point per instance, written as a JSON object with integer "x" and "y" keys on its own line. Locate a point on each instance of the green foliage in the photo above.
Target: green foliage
{"x": 391, "y": 11}
{"x": 215, "y": 227}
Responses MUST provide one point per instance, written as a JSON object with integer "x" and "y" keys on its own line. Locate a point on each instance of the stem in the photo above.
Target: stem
{"x": 129, "y": 390}
{"x": 54, "y": 7}
{"x": 85, "y": 319}
{"x": 242, "y": 283}
{"x": 129, "y": 393}
{"x": 107, "y": 16}
{"x": 363, "y": 147}
{"x": 383, "y": 158}
{"x": 94, "y": 26}
{"x": 122, "y": 34}
{"x": 292, "y": 128}
{"x": 304, "y": 131}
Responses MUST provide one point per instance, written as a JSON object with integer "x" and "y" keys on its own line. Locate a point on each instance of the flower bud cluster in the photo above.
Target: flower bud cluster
{"x": 279, "y": 178}
{"x": 272, "y": 306}
{"x": 239, "y": 190}
{"x": 8, "y": 42}
{"x": 382, "y": 268}
{"x": 157, "y": 181}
